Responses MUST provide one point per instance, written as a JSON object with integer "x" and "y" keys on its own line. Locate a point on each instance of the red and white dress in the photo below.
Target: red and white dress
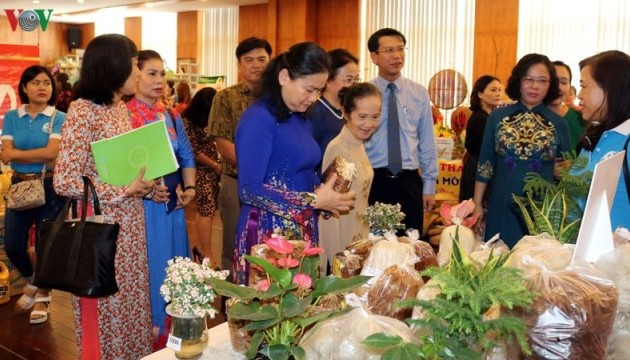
{"x": 118, "y": 326}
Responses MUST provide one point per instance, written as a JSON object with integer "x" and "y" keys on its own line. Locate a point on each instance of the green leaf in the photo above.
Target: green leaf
{"x": 226, "y": 288}
{"x": 257, "y": 339}
{"x": 310, "y": 266}
{"x": 298, "y": 352}
{"x": 531, "y": 228}
{"x": 273, "y": 291}
{"x": 261, "y": 325}
{"x": 252, "y": 312}
{"x": 382, "y": 340}
{"x": 276, "y": 352}
{"x": 568, "y": 235}
{"x": 333, "y": 285}
{"x": 540, "y": 219}
{"x": 291, "y": 306}
{"x": 557, "y": 212}
{"x": 281, "y": 276}
{"x": 404, "y": 352}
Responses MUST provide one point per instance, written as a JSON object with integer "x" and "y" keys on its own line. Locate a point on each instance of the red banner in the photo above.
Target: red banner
{"x": 13, "y": 60}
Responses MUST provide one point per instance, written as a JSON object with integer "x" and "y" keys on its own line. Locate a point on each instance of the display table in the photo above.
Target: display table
{"x": 219, "y": 347}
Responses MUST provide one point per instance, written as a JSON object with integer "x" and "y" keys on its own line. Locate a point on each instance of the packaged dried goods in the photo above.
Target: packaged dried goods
{"x": 395, "y": 284}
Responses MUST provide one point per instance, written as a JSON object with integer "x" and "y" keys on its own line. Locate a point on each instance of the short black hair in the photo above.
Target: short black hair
{"x": 106, "y": 67}
{"x": 348, "y": 96}
{"x": 251, "y": 43}
{"x": 374, "y": 38}
{"x": 480, "y": 86}
{"x": 31, "y": 73}
{"x": 340, "y": 58}
{"x": 198, "y": 109}
{"x": 562, "y": 64}
{"x": 513, "y": 88}
{"x": 64, "y": 80}
{"x": 146, "y": 55}
{"x": 302, "y": 59}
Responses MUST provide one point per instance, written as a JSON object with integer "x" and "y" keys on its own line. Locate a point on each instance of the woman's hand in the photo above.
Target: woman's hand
{"x": 160, "y": 193}
{"x": 330, "y": 200}
{"x": 184, "y": 197}
{"x": 7, "y": 155}
{"x": 140, "y": 187}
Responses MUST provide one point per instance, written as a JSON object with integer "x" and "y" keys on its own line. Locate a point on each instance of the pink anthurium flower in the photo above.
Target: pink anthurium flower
{"x": 302, "y": 280}
{"x": 262, "y": 285}
{"x": 457, "y": 214}
{"x": 279, "y": 244}
{"x": 288, "y": 262}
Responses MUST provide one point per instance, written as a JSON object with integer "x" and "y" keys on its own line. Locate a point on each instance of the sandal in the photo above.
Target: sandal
{"x": 41, "y": 316}
{"x": 25, "y": 302}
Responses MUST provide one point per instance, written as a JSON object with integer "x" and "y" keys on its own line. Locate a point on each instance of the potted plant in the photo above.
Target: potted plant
{"x": 190, "y": 296}
{"x": 383, "y": 218}
{"x": 281, "y": 307}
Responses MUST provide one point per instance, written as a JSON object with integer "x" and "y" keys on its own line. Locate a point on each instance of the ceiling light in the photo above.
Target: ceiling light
{"x": 149, "y": 5}
{"x": 35, "y": 1}
{"x": 80, "y": 1}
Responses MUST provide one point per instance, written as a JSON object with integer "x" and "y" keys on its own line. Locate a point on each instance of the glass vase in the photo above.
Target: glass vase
{"x": 189, "y": 332}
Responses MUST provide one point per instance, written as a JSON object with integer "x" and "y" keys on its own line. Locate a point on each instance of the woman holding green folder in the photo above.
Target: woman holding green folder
{"x": 167, "y": 236}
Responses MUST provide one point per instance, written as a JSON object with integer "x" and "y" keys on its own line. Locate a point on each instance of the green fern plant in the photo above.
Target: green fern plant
{"x": 454, "y": 326}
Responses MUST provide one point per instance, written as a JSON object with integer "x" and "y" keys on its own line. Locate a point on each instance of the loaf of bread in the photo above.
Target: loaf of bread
{"x": 346, "y": 172}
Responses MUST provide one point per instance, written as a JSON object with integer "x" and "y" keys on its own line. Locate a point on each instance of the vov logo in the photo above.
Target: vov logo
{"x": 28, "y": 19}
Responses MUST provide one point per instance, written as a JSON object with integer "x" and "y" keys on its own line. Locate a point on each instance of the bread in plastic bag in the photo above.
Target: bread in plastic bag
{"x": 341, "y": 337}
{"x": 467, "y": 241}
{"x": 346, "y": 264}
{"x": 428, "y": 292}
{"x": 495, "y": 246}
{"x": 573, "y": 315}
{"x": 616, "y": 265}
{"x": 395, "y": 284}
{"x": 424, "y": 251}
{"x": 533, "y": 254}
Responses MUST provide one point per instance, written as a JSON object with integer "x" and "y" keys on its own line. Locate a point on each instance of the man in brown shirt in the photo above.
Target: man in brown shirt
{"x": 252, "y": 56}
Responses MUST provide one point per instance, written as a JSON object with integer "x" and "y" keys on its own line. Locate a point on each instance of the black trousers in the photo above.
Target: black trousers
{"x": 405, "y": 188}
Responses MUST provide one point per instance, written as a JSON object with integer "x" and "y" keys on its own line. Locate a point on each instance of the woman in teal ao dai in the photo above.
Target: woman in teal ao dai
{"x": 520, "y": 138}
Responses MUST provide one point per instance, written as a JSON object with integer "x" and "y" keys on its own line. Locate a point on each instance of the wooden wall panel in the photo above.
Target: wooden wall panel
{"x": 496, "y": 36}
{"x": 295, "y": 23}
{"x": 133, "y": 30}
{"x": 189, "y": 30}
{"x": 338, "y": 24}
{"x": 87, "y": 35}
{"x": 252, "y": 21}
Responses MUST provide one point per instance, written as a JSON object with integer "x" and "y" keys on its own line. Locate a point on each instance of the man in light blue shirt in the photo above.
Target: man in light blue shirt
{"x": 396, "y": 175}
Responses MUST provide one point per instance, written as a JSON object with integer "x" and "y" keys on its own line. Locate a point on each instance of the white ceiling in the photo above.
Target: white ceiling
{"x": 71, "y": 11}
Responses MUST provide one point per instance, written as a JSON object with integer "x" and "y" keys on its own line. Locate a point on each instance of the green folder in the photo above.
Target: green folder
{"x": 119, "y": 158}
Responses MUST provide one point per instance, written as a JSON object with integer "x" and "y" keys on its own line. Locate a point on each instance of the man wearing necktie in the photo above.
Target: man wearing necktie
{"x": 404, "y": 143}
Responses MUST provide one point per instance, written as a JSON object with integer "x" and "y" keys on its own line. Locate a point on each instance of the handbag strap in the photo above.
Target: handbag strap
{"x": 75, "y": 248}
{"x": 626, "y": 171}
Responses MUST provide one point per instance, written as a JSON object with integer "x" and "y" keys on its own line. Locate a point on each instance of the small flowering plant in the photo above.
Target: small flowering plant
{"x": 282, "y": 305}
{"x": 187, "y": 289}
{"x": 383, "y": 218}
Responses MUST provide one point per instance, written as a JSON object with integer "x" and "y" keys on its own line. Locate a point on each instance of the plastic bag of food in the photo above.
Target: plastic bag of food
{"x": 533, "y": 254}
{"x": 573, "y": 315}
{"x": 346, "y": 264}
{"x": 458, "y": 225}
{"x": 341, "y": 337}
{"x": 428, "y": 292}
{"x": 424, "y": 251}
{"x": 482, "y": 251}
{"x": 395, "y": 284}
{"x": 346, "y": 172}
{"x": 616, "y": 265}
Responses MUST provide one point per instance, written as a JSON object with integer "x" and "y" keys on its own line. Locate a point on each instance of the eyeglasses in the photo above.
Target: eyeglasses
{"x": 351, "y": 80}
{"x": 391, "y": 50}
{"x": 530, "y": 80}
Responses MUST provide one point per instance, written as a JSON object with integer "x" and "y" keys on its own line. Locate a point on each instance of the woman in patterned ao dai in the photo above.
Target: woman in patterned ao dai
{"x": 117, "y": 326}
{"x": 520, "y": 138}
{"x": 277, "y": 156}
{"x": 362, "y": 110}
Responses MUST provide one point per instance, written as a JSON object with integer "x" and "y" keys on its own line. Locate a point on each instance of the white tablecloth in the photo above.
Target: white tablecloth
{"x": 219, "y": 347}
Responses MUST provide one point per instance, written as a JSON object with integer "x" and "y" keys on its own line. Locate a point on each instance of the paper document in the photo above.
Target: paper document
{"x": 119, "y": 158}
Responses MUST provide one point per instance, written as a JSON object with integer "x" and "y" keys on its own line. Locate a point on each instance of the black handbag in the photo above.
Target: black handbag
{"x": 78, "y": 256}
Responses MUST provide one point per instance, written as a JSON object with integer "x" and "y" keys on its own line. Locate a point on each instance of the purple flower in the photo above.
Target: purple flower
{"x": 535, "y": 165}
{"x": 510, "y": 161}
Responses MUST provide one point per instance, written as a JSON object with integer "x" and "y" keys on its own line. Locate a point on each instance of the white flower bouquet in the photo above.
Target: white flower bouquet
{"x": 383, "y": 217}
{"x": 187, "y": 289}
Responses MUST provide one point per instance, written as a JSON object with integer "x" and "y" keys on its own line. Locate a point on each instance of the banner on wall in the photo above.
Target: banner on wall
{"x": 13, "y": 60}
{"x": 217, "y": 82}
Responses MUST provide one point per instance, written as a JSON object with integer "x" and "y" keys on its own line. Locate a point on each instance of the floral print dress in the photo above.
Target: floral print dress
{"x": 517, "y": 140}
{"x": 123, "y": 319}
{"x": 276, "y": 176}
